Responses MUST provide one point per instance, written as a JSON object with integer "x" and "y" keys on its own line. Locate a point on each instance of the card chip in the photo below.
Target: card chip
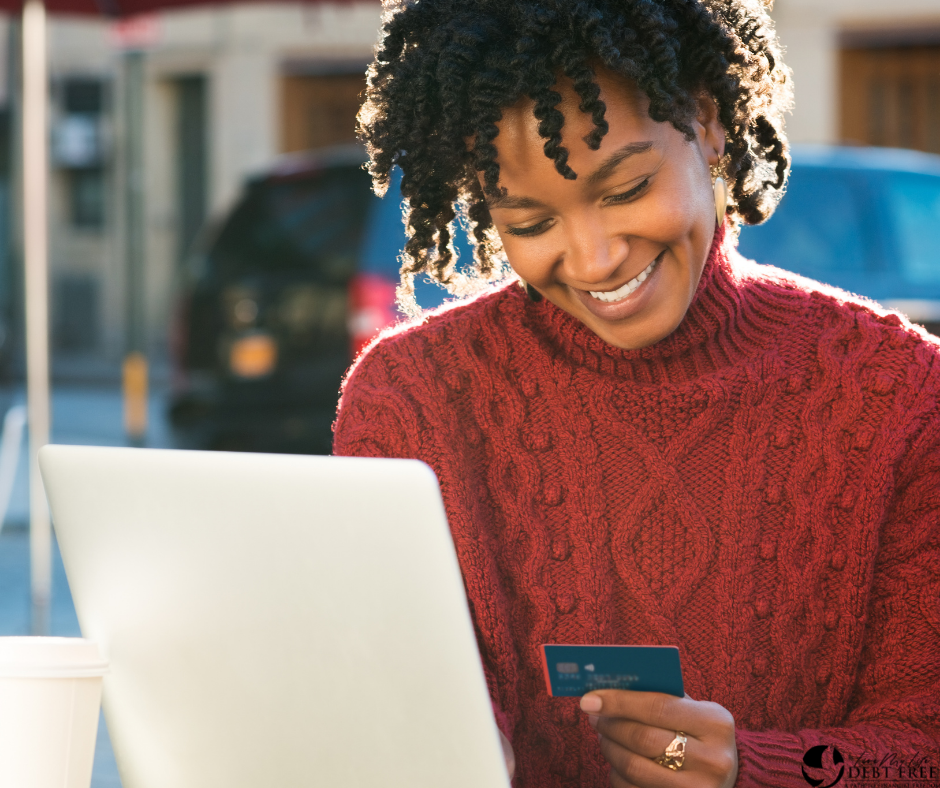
{"x": 567, "y": 667}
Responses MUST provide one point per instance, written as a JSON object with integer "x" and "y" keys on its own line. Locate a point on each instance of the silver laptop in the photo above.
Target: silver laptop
{"x": 274, "y": 620}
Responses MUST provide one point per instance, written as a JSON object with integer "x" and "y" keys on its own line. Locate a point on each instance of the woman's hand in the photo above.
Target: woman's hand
{"x": 636, "y": 728}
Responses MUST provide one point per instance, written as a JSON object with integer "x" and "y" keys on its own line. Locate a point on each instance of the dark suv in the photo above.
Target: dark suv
{"x": 282, "y": 294}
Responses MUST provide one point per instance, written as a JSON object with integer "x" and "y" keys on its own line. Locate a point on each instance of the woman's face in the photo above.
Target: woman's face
{"x": 621, "y": 247}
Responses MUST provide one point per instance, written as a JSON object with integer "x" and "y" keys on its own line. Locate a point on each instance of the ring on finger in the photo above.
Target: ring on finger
{"x": 674, "y": 756}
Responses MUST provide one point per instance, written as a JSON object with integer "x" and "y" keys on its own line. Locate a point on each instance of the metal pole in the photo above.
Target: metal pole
{"x": 135, "y": 362}
{"x": 35, "y": 254}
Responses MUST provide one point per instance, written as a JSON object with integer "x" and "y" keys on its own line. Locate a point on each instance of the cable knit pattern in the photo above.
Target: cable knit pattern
{"x": 761, "y": 489}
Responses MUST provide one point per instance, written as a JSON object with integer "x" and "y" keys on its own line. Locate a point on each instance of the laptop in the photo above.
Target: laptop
{"x": 274, "y": 620}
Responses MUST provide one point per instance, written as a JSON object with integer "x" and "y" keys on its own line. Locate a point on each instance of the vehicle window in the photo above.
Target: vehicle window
{"x": 821, "y": 226}
{"x": 310, "y": 224}
{"x": 385, "y": 238}
{"x": 385, "y": 233}
{"x": 913, "y": 203}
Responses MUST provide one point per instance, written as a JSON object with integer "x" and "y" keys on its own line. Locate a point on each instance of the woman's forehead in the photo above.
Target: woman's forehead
{"x": 520, "y": 145}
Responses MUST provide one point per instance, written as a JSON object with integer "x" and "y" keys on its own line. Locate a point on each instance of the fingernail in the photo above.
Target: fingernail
{"x": 591, "y": 703}
{"x": 593, "y": 720}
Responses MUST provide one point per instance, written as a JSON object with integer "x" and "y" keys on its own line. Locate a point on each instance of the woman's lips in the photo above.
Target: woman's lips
{"x": 626, "y": 300}
{"x": 611, "y": 296}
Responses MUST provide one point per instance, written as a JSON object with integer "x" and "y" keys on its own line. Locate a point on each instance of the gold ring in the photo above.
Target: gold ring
{"x": 674, "y": 756}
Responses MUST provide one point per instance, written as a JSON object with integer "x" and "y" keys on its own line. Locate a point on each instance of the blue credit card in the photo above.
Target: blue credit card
{"x": 574, "y": 670}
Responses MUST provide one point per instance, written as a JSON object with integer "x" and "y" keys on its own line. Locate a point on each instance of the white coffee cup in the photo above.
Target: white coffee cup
{"x": 50, "y": 695}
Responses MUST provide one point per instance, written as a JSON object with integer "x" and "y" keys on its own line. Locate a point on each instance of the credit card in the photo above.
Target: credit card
{"x": 574, "y": 670}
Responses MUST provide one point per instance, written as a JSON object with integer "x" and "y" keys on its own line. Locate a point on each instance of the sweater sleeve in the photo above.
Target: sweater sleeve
{"x": 377, "y": 418}
{"x": 894, "y": 713}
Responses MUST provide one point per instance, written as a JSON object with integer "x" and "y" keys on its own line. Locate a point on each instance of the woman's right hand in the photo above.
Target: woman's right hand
{"x": 508, "y": 755}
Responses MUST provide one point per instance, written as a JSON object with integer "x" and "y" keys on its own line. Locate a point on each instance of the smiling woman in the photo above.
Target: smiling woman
{"x": 641, "y": 437}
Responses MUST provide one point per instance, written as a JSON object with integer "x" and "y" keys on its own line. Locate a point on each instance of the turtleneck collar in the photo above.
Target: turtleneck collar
{"x": 724, "y": 323}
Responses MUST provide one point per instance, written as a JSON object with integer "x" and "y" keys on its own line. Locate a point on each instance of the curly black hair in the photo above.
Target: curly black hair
{"x": 445, "y": 69}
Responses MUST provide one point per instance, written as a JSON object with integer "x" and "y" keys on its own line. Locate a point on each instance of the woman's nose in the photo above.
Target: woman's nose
{"x": 595, "y": 253}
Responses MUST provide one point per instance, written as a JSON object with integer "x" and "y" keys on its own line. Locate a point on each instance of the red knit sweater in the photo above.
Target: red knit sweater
{"x": 761, "y": 489}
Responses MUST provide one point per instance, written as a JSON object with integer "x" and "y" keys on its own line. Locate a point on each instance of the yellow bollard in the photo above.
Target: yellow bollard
{"x": 135, "y": 397}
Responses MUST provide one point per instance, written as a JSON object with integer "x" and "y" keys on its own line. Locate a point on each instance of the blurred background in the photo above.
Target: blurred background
{"x": 217, "y": 258}
{"x": 214, "y": 97}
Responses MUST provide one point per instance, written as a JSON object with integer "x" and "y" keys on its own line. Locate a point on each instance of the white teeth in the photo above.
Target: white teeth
{"x": 628, "y": 288}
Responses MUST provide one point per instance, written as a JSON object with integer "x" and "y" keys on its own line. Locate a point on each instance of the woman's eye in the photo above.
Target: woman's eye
{"x": 629, "y": 195}
{"x": 545, "y": 224}
{"x": 535, "y": 229}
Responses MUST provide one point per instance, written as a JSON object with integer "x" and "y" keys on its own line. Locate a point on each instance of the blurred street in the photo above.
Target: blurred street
{"x": 81, "y": 415}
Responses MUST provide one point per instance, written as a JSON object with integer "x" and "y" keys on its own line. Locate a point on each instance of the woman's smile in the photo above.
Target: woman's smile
{"x": 626, "y": 300}
{"x": 613, "y": 296}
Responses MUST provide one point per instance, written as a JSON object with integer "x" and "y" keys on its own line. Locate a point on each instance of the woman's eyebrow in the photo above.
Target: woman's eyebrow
{"x": 615, "y": 159}
{"x": 507, "y": 201}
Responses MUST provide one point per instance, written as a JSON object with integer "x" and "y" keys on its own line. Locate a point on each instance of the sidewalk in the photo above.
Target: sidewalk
{"x": 81, "y": 415}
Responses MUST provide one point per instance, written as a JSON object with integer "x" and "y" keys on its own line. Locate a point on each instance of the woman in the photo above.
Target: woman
{"x": 651, "y": 440}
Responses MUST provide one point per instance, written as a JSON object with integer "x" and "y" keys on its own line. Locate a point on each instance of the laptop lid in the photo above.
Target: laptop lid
{"x": 274, "y": 620}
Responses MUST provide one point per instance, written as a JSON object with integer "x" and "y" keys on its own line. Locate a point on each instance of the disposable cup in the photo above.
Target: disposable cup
{"x": 50, "y": 695}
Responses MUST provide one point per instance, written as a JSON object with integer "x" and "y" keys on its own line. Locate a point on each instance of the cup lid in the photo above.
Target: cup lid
{"x": 50, "y": 657}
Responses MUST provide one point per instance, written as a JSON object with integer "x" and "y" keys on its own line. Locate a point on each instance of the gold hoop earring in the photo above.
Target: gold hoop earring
{"x": 721, "y": 199}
